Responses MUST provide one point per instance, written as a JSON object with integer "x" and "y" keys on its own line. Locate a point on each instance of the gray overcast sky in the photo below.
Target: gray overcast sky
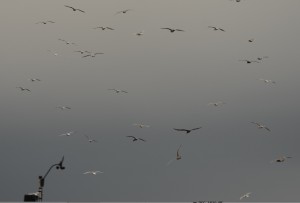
{"x": 170, "y": 79}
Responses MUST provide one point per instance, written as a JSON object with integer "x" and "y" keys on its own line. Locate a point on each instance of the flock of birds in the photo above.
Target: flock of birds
{"x": 136, "y": 139}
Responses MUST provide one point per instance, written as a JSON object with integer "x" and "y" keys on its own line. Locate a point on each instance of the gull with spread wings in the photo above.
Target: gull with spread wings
{"x": 118, "y": 91}
{"x": 92, "y": 172}
{"x": 247, "y": 195}
{"x": 136, "y": 138}
{"x": 178, "y": 156}
{"x": 75, "y": 9}
{"x": 24, "y": 89}
{"x": 186, "y": 130}
{"x": 281, "y": 159}
{"x": 171, "y": 29}
{"x": 45, "y": 22}
{"x": 260, "y": 126}
{"x": 123, "y": 11}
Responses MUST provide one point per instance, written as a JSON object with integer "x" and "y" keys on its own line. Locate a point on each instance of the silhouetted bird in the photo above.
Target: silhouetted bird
{"x": 136, "y": 139}
{"x": 215, "y": 28}
{"x": 103, "y": 28}
{"x": 139, "y": 33}
{"x": 91, "y": 55}
{"x": 187, "y": 130}
{"x": 248, "y": 61}
{"x": 34, "y": 79}
{"x": 45, "y": 22}
{"x": 281, "y": 159}
{"x": 118, "y": 91}
{"x": 267, "y": 81}
{"x": 260, "y": 126}
{"x": 178, "y": 156}
{"x": 216, "y": 103}
{"x": 64, "y": 107}
{"x": 141, "y": 125}
{"x": 89, "y": 139}
{"x": 75, "y": 9}
{"x": 24, "y": 89}
{"x": 123, "y": 11}
{"x": 82, "y": 52}
{"x": 67, "y": 42}
{"x": 172, "y": 30}
{"x": 261, "y": 58}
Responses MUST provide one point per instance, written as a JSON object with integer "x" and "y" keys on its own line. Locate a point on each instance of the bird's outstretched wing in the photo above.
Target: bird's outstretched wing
{"x": 166, "y": 28}
{"x": 180, "y": 129}
{"x": 80, "y": 10}
{"x": 196, "y": 128}
{"x": 255, "y": 123}
{"x": 69, "y": 7}
{"x": 142, "y": 139}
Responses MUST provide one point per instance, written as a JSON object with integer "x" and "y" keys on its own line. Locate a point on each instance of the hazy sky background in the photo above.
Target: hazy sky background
{"x": 170, "y": 79}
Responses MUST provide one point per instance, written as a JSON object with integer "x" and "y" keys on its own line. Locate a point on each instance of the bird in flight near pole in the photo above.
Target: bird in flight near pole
{"x": 92, "y": 172}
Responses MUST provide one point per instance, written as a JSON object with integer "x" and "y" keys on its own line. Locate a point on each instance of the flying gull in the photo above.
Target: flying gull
{"x": 118, "y": 91}
{"x": 89, "y": 139}
{"x": 178, "y": 156}
{"x": 24, "y": 89}
{"x": 82, "y": 52}
{"x": 247, "y": 195}
{"x": 64, "y": 107}
{"x": 187, "y": 130}
{"x": 262, "y": 57}
{"x": 92, "y": 55}
{"x": 75, "y": 9}
{"x": 136, "y": 138}
{"x": 67, "y": 42}
{"x": 45, "y": 22}
{"x": 34, "y": 79}
{"x": 172, "y": 30}
{"x": 281, "y": 159}
{"x": 123, "y": 11}
{"x": 260, "y": 126}
{"x": 267, "y": 81}
{"x": 141, "y": 125}
{"x": 67, "y": 134}
{"x": 249, "y": 61}
{"x": 215, "y": 28}
{"x": 92, "y": 172}
{"x": 139, "y": 33}
{"x": 103, "y": 28}
{"x": 216, "y": 103}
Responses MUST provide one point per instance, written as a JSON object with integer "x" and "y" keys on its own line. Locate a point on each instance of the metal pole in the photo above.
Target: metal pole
{"x": 42, "y": 178}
